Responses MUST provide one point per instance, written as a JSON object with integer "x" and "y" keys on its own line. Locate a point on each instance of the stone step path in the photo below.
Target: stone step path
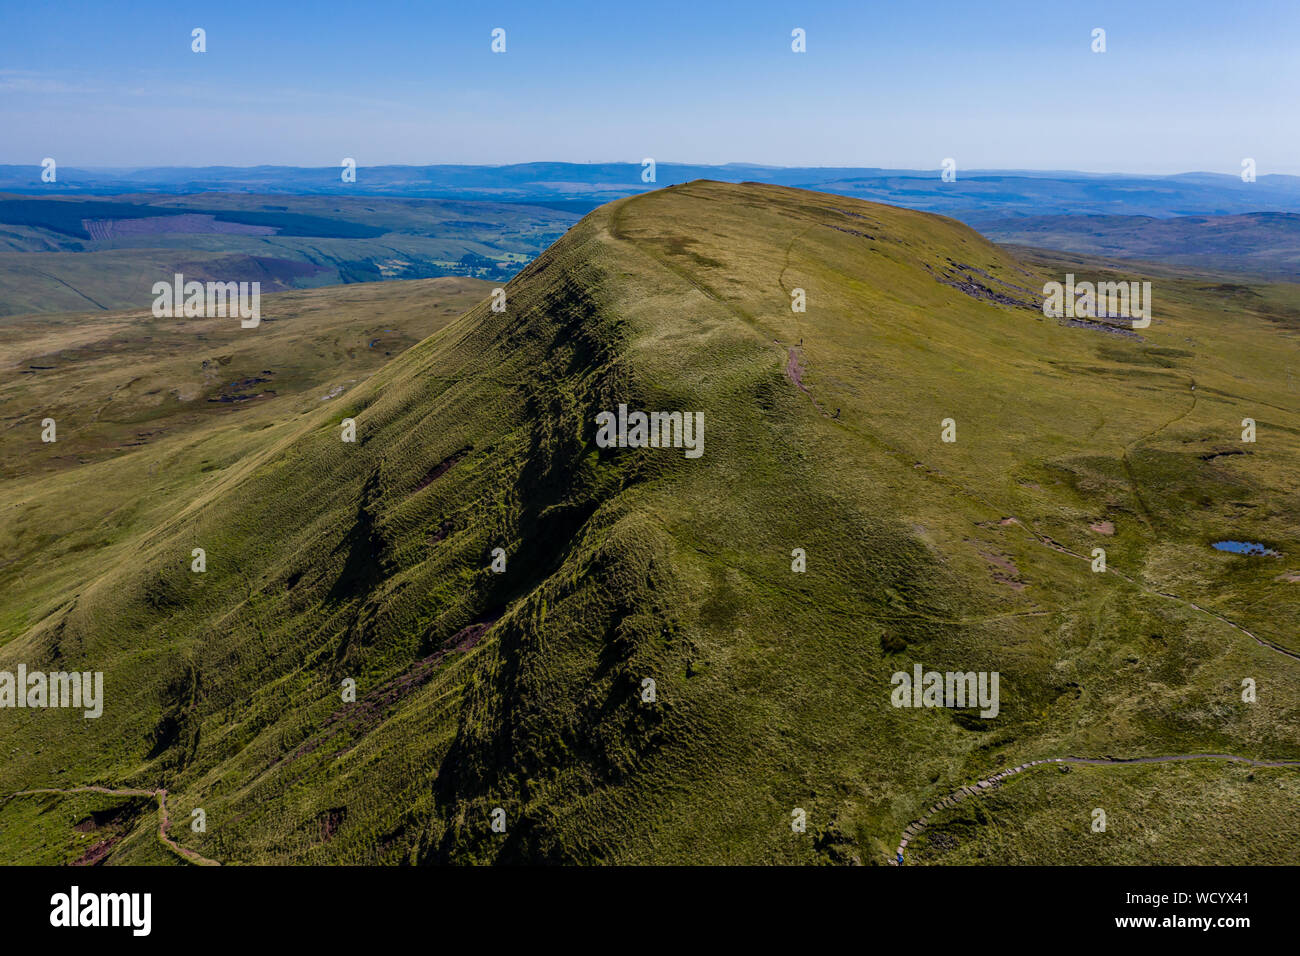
{"x": 914, "y": 828}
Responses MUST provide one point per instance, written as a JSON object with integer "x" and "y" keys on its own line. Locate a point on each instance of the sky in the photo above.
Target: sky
{"x": 1182, "y": 86}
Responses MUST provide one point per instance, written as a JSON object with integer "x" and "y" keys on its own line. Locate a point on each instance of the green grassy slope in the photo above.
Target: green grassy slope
{"x": 151, "y": 411}
{"x": 522, "y": 690}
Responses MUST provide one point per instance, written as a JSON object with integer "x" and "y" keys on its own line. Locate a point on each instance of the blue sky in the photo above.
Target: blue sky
{"x": 1189, "y": 85}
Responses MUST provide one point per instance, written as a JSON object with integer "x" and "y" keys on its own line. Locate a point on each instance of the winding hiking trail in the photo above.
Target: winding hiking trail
{"x": 914, "y": 828}
{"x": 1263, "y": 642}
{"x": 161, "y": 793}
{"x": 794, "y": 372}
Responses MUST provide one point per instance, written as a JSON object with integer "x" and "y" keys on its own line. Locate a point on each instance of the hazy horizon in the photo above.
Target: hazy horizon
{"x": 1008, "y": 86}
{"x": 1002, "y": 170}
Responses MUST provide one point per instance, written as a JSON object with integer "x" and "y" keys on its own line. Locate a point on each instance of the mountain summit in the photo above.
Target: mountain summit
{"x": 479, "y": 633}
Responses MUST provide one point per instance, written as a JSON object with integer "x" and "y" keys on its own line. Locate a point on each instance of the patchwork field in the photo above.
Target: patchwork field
{"x": 64, "y": 254}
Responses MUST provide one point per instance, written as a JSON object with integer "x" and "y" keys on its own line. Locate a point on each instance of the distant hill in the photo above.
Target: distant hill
{"x": 489, "y": 221}
{"x": 1006, "y": 192}
{"x": 1262, "y": 243}
{"x": 676, "y": 655}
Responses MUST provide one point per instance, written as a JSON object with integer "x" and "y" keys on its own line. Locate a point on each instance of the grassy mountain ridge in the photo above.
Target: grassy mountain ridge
{"x": 522, "y": 690}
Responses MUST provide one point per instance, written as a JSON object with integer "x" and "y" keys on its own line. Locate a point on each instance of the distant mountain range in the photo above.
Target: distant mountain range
{"x": 975, "y": 196}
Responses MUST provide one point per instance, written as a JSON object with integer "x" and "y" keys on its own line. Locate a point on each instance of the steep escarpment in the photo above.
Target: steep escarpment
{"x": 475, "y": 635}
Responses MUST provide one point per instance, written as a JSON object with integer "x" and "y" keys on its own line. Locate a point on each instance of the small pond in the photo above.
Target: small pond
{"x": 1245, "y": 547}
